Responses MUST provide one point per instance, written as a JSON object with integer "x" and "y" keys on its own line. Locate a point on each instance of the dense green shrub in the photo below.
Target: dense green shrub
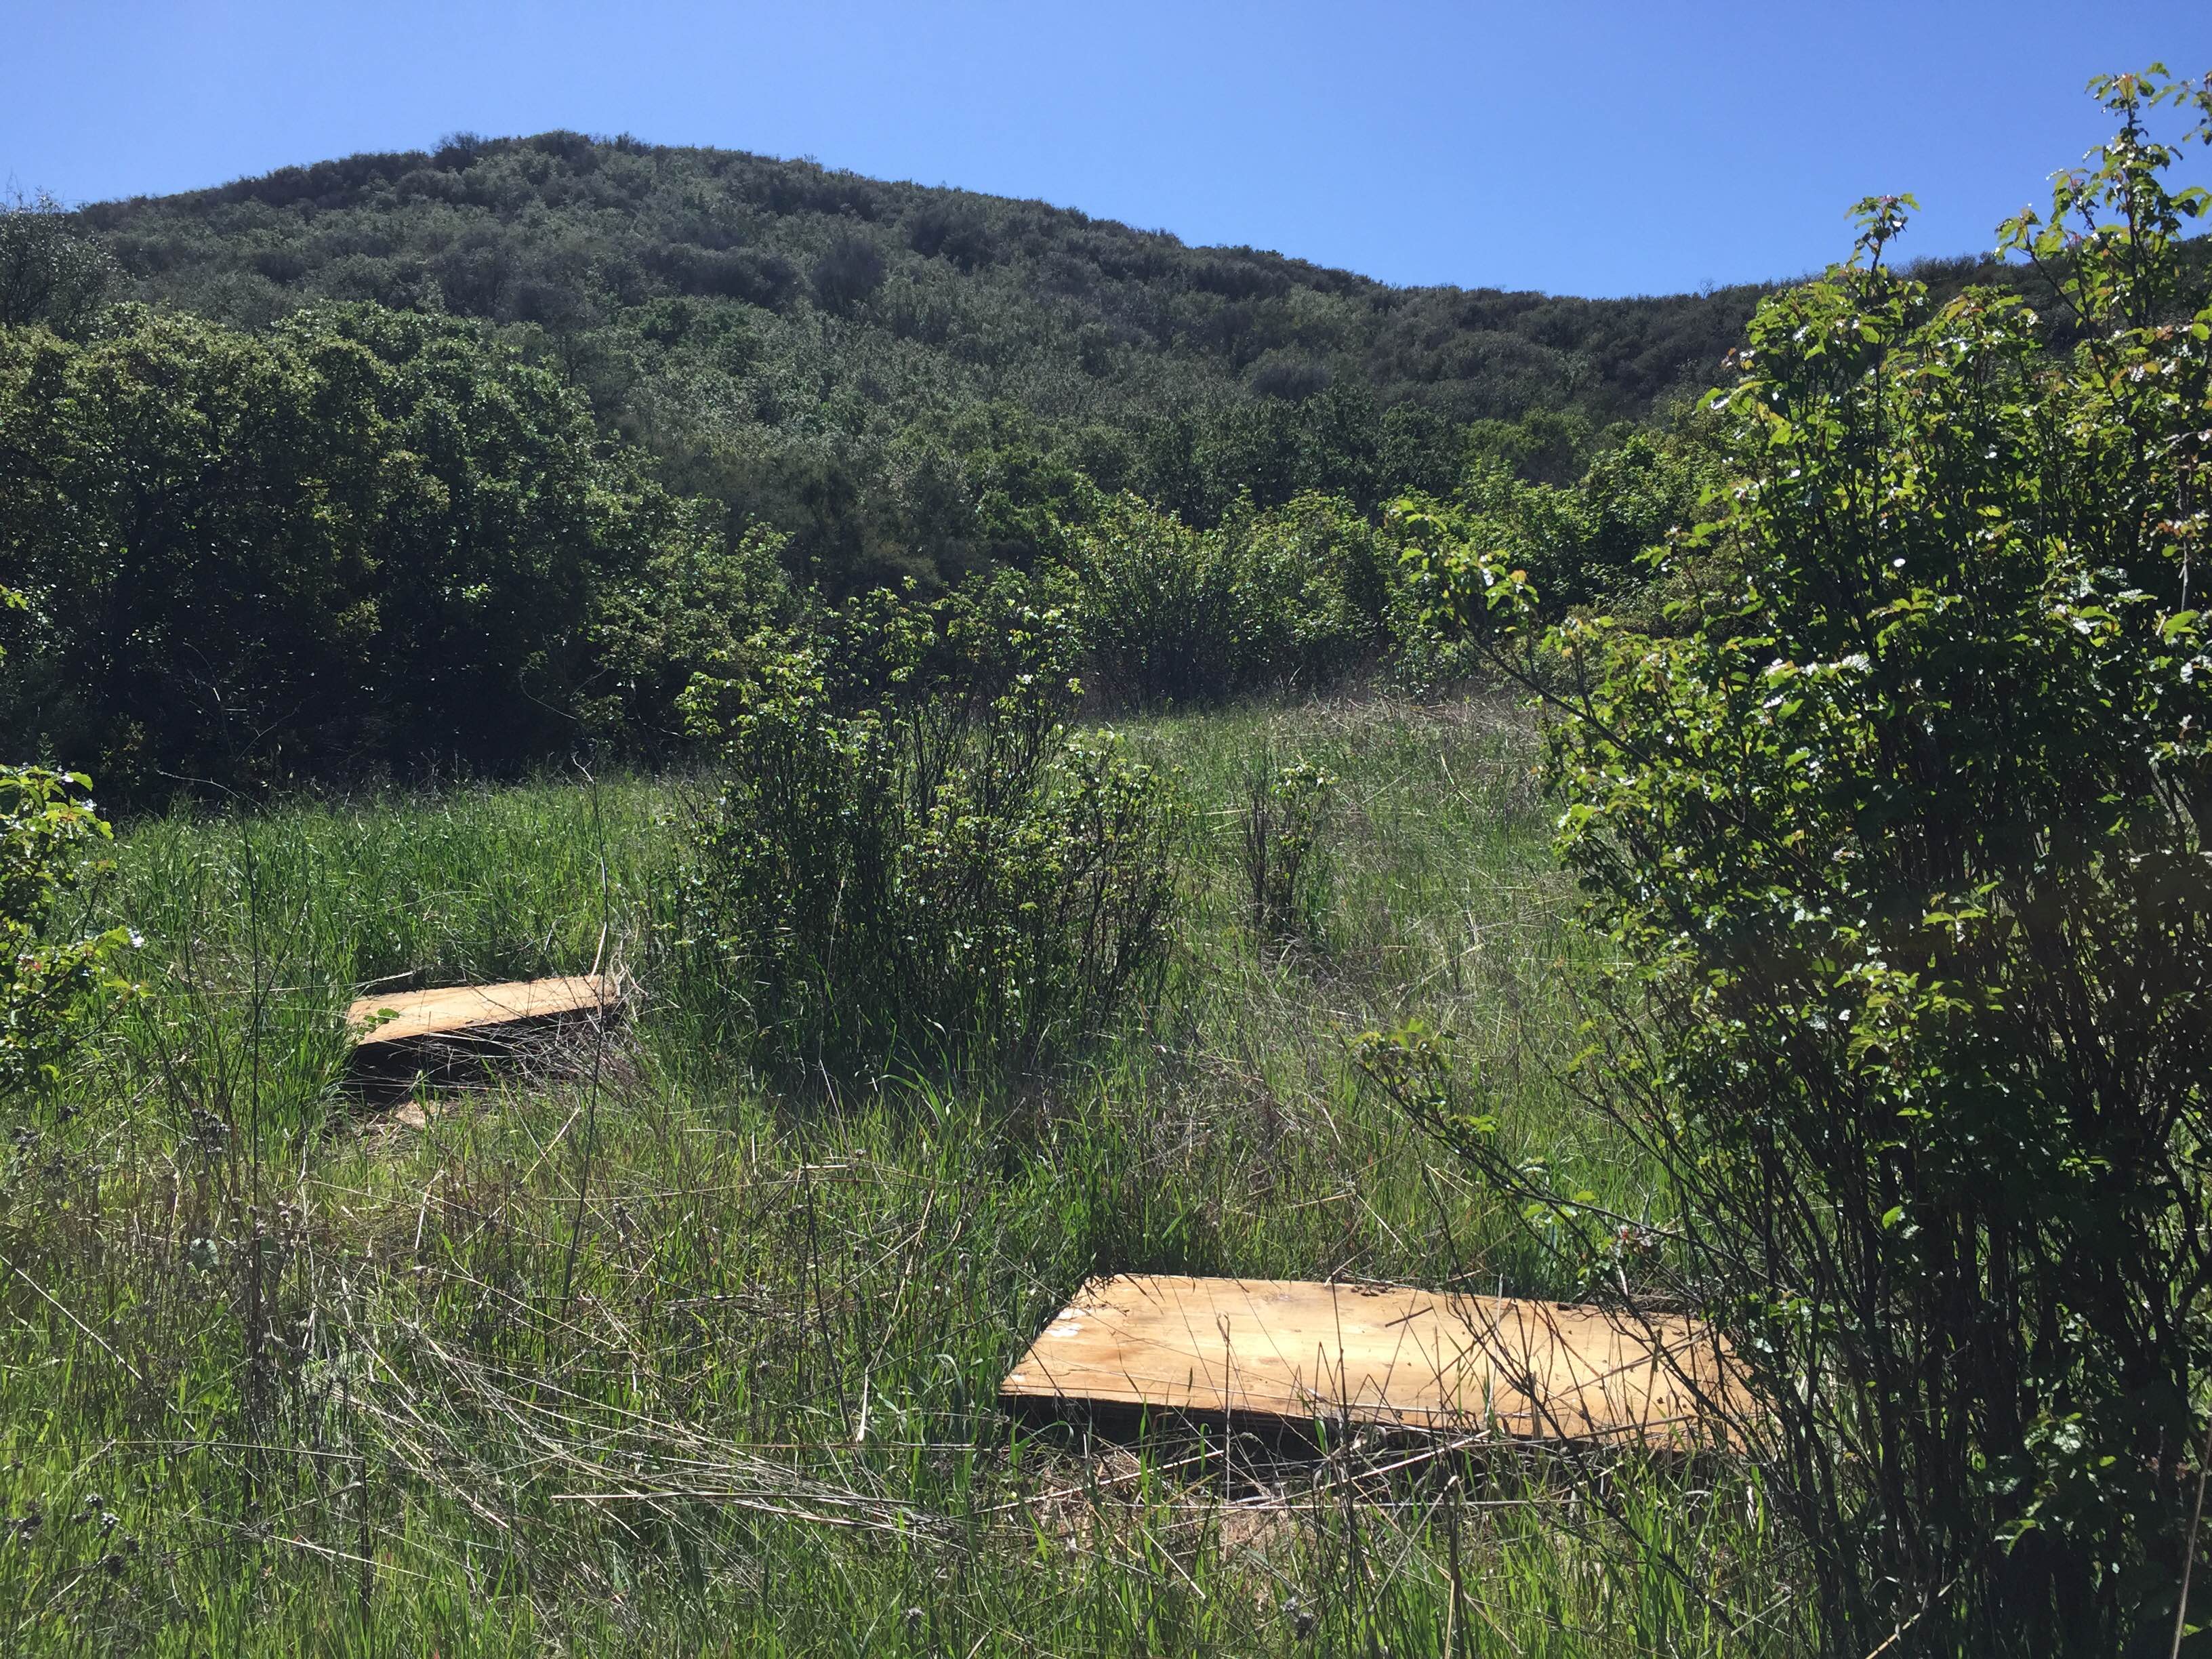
{"x": 911, "y": 856}
{"x": 52, "y": 273}
{"x": 1583, "y": 543}
{"x": 1157, "y": 602}
{"x": 690, "y": 603}
{"x": 1284, "y": 854}
{"x": 51, "y": 840}
{"x": 1298, "y": 596}
{"x": 1902, "y": 834}
{"x": 362, "y": 541}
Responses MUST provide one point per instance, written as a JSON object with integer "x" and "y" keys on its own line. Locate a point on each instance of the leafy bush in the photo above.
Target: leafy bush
{"x": 1285, "y": 813}
{"x": 1294, "y": 597}
{"x": 1157, "y": 602}
{"x": 1901, "y": 832}
{"x": 848, "y": 272}
{"x": 364, "y": 540}
{"x": 1581, "y": 542}
{"x": 692, "y": 601}
{"x": 1582, "y": 545}
{"x": 50, "y": 840}
{"x": 1316, "y": 580}
{"x": 911, "y": 856}
{"x": 51, "y": 272}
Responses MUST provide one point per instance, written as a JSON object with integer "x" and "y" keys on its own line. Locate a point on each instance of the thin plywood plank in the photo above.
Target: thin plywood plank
{"x": 463, "y": 1009}
{"x": 1299, "y": 1352}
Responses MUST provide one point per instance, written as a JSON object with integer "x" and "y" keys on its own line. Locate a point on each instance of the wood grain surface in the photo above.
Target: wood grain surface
{"x": 464, "y": 1008}
{"x": 1302, "y": 1352}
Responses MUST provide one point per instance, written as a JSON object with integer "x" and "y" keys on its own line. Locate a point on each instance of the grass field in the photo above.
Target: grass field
{"x": 626, "y": 1352}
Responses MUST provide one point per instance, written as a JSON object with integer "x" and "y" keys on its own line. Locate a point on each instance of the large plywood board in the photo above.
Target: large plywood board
{"x": 1302, "y": 1352}
{"x": 463, "y": 1010}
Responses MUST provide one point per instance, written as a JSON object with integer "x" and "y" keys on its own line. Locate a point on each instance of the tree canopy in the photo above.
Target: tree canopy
{"x": 362, "y": 540}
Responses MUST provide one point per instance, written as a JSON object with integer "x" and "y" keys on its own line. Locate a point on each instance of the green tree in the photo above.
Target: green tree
{"x": 51, "y": 273}
{"x": 364, "y": 540}
{"x": 1900, "y": 829}
{"x": 1295, "y": 595}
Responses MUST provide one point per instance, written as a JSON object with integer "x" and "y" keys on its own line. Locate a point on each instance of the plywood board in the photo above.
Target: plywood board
{"x": 1302, "y": 1352}
{"x": 462, "y": 1009}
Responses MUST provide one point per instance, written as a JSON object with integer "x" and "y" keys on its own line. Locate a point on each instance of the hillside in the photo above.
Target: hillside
{"x": 467, "y": 456}
{"x": 866, "y": 363}
{"x": 966, "y": 295}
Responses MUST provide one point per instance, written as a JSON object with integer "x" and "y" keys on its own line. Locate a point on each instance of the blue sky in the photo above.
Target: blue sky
{"x": 1584, "y": 149}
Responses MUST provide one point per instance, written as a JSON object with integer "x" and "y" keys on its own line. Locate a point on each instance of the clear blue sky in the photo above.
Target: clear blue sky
{"x": 1584, "y": 149}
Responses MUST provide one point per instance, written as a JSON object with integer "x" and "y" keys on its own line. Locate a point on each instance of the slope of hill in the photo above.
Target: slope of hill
{"x": 899, "y": 376}
{"x": 1000, "y": 298}
{"x": 854, "y": 359}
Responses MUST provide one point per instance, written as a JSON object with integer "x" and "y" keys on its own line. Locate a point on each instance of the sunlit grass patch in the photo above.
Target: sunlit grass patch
{"x": 637, "y": 1354}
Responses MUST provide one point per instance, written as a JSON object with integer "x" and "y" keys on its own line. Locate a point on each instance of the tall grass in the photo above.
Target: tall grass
{"x": 625, "y": 1351}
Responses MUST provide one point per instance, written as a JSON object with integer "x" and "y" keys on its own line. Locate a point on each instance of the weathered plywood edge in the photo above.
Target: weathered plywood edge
{"x": 1301, "y": 1353}
{"x": 459, "y": 1011}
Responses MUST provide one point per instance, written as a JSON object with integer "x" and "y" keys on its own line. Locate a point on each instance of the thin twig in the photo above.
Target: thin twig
{"x": 2188, "y": 1556}
{"x": 96, "y": 1336}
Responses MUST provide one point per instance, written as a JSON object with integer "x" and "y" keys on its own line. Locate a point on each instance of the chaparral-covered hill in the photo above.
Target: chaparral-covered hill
{"x": 877, "y": 366}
